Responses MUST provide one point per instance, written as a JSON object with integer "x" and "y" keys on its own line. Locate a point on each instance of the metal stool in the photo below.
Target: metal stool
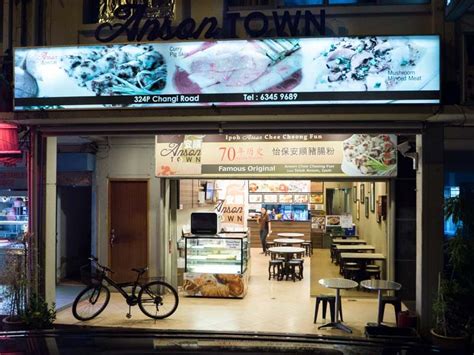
{"x": 308, "y": 247}
{"x": 292, "y": 264}
{"x": 332, "y": 305}
{"x": 348, "y": 264}
{"x": 372, "y": 271}
{"x": 272, "y": 265}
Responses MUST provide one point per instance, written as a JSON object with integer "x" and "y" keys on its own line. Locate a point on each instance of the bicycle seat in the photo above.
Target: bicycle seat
{"x": 140, "y": 270}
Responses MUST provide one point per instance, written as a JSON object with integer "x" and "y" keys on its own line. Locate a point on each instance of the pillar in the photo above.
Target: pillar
{"x": 50, "y": 220}
{"x": 430, "y": 227}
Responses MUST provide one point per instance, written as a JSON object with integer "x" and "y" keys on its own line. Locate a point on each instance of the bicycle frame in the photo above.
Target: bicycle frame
{"x": 120, "y": 286}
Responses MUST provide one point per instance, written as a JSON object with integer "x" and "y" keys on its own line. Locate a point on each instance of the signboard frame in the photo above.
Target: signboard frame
{"x": 276, "y": 156}
{"x": 263, "y": 98}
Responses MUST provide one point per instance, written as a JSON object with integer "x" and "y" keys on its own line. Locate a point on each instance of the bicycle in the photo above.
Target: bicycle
{"x": 156, "y": 299}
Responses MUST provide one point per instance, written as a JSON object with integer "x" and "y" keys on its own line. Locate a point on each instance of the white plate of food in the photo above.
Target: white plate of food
{"x": 370, "y": 155}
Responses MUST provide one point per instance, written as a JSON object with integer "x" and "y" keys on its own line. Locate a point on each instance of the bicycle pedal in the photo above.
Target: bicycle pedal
{"x": 128, "y": 315}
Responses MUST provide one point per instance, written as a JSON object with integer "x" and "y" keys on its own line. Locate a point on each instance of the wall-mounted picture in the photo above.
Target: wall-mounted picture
{"x": 271, "y": 198}
{"x": 301, "y": 199}
{"x": 381, "y": 208}
{"x": 318, "y": 223}
{"x": 362, "y": 193}
{"x": 255, "y": 198}
{"x": 372, "y": 197}
{"x": 318, "y": 210}
{"x": 366, "y": 207}
{"x": 333, "y": 221}
{"x": 317, "y": 197}
{"x": 354, "y": 193}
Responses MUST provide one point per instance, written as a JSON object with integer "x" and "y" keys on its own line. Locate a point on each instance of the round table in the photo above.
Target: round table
{"x": 380, "y": 286}
{"x": 287, "y": 252}
{"x": 338, "y": 284}
{"x": 291, "y": 235}
{"x": 288, "y": 241}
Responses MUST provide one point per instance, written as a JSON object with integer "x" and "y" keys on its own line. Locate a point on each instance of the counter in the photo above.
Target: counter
{"x": 278, "y": 227}
{"x": 216, "y": 266}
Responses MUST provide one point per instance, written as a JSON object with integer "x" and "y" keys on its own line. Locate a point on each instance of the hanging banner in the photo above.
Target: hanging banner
{"x": 276, "y": 155}
{"x": 285, "y": 71}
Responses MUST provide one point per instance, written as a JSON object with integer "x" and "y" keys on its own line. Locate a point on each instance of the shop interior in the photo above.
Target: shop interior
{"x": 317, "y": 210}
{"x": 312, "y": 213}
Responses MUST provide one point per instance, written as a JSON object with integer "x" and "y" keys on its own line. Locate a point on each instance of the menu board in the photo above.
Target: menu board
{"x": 285, "y": 71}
{"x": 279, "y": 186}
{"x": 277, "y": 155}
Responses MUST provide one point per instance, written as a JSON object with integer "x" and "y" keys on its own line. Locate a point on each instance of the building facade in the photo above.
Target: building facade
{"x": 415, "y": 245}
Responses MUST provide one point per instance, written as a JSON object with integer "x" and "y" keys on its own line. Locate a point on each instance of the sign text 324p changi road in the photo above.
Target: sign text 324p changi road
{"x": 276, "y": 155}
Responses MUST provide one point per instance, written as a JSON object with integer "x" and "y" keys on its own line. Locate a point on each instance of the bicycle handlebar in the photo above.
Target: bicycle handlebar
{"x": 96, "y": 261}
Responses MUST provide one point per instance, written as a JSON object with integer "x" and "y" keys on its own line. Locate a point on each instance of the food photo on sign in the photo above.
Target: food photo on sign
{"x": 282, "y": 71}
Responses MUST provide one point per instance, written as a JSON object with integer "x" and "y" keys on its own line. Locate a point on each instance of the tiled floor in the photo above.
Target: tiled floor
{"x": 270, "y": 306}
{"x": 66, "y": 293}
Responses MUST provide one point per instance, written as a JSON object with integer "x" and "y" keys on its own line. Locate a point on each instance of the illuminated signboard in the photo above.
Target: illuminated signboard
{"x": 349, "y": 70}
{"x": 276, "y": 155}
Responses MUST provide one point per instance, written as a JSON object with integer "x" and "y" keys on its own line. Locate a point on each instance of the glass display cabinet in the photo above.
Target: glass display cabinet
{"x": 217, "y": 266}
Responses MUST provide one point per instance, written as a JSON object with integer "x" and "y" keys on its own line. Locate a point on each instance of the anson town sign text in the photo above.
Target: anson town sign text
{"x": 132, "y": 22}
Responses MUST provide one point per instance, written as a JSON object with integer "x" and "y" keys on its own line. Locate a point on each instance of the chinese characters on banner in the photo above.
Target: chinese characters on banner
{"x": 276, "y": 155}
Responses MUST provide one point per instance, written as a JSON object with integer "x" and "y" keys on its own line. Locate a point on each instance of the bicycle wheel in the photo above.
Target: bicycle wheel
{"x": 158, "y": 299}
{"x": 90, "y": 302}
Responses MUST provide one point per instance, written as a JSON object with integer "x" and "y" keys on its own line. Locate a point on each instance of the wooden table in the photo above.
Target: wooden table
{"x": 348, "y": 248}
{"x": 291, "y": 235}
{"x": 362, "y": 257}
{"x": 338, "y": 284}
{"x": 348, "y": 241}
{"x": 339, "y": 241}
{"x": 380, "y": 285}
{"x": 287, "y": 252}
{"x": 345, "y": 236}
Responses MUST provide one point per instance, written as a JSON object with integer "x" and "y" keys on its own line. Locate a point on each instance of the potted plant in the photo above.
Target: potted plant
{"x": 453, "y": 309}
{"x": 15, "y": 289}
{"x": 37, "y": 314}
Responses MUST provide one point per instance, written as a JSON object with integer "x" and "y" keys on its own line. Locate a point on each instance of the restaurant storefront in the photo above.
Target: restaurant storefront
{"x": 273, "y": 112}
